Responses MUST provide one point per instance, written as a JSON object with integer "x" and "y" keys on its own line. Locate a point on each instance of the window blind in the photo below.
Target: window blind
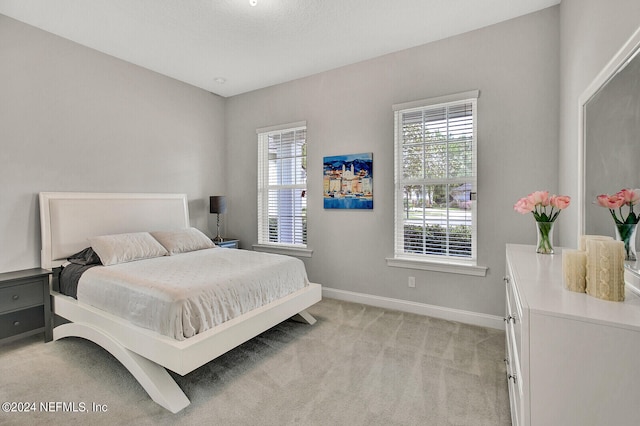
{"x": 282, "y": 185}
{"x": 435, "y": 180}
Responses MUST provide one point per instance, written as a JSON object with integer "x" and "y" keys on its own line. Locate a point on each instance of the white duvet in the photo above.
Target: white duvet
{"x": 185, "y": 294}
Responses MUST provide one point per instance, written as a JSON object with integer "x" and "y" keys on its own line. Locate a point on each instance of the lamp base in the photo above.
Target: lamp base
{"x": 218, "y": 238}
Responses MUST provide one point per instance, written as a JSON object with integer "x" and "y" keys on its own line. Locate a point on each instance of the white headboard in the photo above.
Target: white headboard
{"x": 68, "y": 219}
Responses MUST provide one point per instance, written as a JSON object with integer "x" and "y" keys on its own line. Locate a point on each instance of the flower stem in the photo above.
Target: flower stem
{"x": 545, "y": 235}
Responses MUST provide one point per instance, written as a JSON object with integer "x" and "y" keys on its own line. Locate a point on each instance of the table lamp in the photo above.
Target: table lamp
{"x": 217, "y": 205}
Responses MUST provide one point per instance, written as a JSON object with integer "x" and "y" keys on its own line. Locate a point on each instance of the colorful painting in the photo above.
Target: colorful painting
{"x": 348, "y": 181}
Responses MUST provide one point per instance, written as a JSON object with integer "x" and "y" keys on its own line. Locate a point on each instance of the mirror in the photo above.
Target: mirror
{"x": 609, "y": 151}
{"x": 610, "y": 136}
{"x": 612, "y": 143}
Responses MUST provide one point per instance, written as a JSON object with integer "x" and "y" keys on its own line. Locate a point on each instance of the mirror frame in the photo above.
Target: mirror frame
{"x": 628, "y": 51}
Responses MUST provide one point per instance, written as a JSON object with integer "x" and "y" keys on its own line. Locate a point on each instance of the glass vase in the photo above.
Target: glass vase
{"x": 545, "y": 237}
{"x": 626, "y": 232}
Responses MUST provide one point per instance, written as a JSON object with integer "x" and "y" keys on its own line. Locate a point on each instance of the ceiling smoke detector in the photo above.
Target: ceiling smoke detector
{"x": 253, "y": 2}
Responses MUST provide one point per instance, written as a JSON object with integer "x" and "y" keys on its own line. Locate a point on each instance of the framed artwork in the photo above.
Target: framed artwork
{"x": 348, "y": 181}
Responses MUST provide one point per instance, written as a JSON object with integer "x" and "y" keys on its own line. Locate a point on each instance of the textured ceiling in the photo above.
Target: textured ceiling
{"x": 202, "y": 41}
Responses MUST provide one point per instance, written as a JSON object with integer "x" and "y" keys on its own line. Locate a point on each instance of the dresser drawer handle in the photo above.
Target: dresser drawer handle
{"x": 16, "y": 297}
{"x": 16, "y": 323}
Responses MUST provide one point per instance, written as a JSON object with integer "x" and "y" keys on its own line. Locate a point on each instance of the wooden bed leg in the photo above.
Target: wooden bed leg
{"x": 304, "y": 316}
{"x": 154, "y": 378}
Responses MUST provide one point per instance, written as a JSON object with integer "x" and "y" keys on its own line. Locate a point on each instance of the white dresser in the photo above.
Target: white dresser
{"x": 571, "y": 359}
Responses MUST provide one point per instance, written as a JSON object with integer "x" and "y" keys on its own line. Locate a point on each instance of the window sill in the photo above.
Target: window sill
{"x": 288, "y": 250}
{"x": 438, "y": 266}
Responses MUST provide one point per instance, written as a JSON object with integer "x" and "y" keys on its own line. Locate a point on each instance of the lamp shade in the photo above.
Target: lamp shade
{"x": 217, "y": 204}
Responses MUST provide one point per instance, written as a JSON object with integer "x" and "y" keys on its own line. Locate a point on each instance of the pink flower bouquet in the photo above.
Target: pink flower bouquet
{"x": 543, "y": 207}
{"x": 624, "y": 197}
{"x": 625, "y": 226}
{"x": 545, "y": 211}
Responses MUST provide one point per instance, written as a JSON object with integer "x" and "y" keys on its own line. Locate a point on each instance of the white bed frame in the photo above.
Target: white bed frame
{"x": 69, "y": 219}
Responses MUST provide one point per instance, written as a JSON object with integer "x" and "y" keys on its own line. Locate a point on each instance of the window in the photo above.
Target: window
{"x": 282, "y": 185}
{"x": 435, "y": 179}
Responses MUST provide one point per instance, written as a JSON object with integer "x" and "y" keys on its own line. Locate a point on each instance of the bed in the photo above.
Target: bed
{"x": 69, "y": 220}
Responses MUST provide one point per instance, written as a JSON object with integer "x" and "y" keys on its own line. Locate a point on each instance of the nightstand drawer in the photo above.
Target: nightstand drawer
{"x": 21, "y": 321}
{"x": 25, "y": 303}
{"x": 232, "y": 244}
{"x": 21, "y": 295}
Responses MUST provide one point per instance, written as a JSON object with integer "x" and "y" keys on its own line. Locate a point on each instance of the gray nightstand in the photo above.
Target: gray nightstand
{"x": 25, "y": 304}
{"x": 232, "y": 244}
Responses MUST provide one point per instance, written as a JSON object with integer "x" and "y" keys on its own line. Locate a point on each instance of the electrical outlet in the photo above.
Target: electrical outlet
{"x": 412, "y": 282}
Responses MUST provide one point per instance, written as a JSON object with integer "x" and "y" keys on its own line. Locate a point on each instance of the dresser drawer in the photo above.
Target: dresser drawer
{"x": 21, "y": 321}
{"x": 512, "y": 336}
{"x": 514, "y": 386}
{"x": 515, "y": 403}
{"x": 21, "y": 296}
{"x": 514, "y": 319}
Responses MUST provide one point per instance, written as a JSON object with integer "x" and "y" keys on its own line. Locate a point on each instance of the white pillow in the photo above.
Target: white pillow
{"x": 183, "y": 240}
{"x": 120, "y": 248}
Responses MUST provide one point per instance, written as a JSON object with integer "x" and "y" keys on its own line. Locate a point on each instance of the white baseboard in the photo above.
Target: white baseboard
{"x": 467, "y": 317}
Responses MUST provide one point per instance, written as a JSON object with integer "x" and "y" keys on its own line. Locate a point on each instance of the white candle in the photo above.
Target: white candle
{"x": 585, "y": 238}
{"x": 574, "y": 269}
{"x": 605, "y": 269}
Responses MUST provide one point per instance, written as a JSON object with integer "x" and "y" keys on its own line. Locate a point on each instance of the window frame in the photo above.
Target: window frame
{"x": 434, "y": 262}
{"x": 264, "y": 185}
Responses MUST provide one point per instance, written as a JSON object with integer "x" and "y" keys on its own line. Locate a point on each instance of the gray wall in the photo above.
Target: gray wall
{"x": 592, "y": 32}
{"x": 514, "y": 64}
{"x": 73, "y": 119}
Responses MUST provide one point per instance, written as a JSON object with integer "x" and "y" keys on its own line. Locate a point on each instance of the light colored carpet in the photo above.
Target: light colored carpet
{"x": 358, "y": 365}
